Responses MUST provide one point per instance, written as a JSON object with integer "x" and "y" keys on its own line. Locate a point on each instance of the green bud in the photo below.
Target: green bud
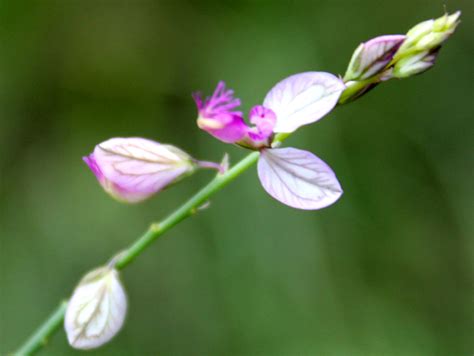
{"x": 414, "y": 64}
{"x": 428, "y": 35}
{"x": 420, "y": 49}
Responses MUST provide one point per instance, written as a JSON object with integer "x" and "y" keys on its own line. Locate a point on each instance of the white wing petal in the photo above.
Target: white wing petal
{"x": 303, "y": 98}
{"x": 298, "y": 178}
{"x": 97, "y": 309}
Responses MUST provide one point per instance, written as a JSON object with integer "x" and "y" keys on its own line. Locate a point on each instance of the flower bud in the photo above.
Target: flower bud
{"x": 430, "y": 34}
{"x": 133, "y": 169}
{"x": 415, "y": 64}
{"x": 96, "y": 310}
{"x": 371, "y": 57}
{"x": 421, "y": 47}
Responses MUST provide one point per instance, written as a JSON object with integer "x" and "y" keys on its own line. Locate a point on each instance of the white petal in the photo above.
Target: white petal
{"x": 298, "y": 178}
{"x": 303, "y": 98}
{"x": 97, "y": 309}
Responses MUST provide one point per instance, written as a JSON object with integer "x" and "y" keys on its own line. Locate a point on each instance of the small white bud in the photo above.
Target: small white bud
{"x": 96, "y": 310}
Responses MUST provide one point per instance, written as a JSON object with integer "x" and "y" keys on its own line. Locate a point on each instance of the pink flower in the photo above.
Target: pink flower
{"x": 295, "y": 177}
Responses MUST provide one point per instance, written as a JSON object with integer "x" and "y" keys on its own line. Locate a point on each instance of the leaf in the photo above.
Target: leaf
{"x": 97, "y": 309}
{"x": 302, "y": 99}
{"x": 136, "y": 168}
{"x": 298, "y": 178}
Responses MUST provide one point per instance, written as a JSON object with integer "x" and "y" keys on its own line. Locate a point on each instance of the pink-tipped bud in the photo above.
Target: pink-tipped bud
{"x": 371, "y": 57}
{"x": 133, "y": 169}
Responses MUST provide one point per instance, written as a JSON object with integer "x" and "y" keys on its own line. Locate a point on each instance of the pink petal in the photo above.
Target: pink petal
{"x": 136, "y": 168}
{"x": 298, "y": 178}
{"x": 303, "y": 98}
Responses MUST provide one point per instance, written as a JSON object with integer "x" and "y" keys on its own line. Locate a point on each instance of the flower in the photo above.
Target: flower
{"x": 133, "y": 169}
{"x": 295, "y": 177}
{"x": 96, "y": 310}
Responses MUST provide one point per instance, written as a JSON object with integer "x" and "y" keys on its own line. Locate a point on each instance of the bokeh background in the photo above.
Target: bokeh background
{"x": 388, "y": 270}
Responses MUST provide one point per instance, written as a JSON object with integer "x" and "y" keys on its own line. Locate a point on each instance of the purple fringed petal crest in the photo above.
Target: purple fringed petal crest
{"x": 218, "y": 117}
{"x": 133, "y": 169}
{"x": 298, "y": 178}
{"x": 371, "y": 57}
{"x": 302, "y": 99}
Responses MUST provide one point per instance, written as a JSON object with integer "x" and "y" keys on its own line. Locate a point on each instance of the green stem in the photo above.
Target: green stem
{"x": 353, "y": 88}
{"x": 40, "y": 336}
{"x": 186, "y": 210}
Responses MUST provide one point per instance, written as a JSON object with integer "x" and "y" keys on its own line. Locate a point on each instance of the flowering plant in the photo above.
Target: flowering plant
{"x": 134, "y": 169}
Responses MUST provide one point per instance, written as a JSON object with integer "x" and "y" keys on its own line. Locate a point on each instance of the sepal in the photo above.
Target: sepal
{"x": 371, "y": 57}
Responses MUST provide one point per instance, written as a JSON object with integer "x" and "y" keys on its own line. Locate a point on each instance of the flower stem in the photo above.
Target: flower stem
{"x": 40, "y": 336}
{"x": 353, "y": 90}
{"x": 189, "y": 208}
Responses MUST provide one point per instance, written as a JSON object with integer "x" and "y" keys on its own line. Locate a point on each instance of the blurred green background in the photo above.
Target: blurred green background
{"x": 388, "y": 270}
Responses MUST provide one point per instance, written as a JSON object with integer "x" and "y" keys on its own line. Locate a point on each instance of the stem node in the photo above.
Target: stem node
{"x": 155, "y": 227}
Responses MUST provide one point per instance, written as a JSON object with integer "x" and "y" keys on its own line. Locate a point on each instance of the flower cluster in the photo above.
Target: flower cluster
{"x": 420, "y": 49}
{"x": 397, "y": 56}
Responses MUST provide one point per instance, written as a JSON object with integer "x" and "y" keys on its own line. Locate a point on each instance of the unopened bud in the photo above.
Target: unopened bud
{"x": 418, "y": 52}
{"x": 371, "y": 57}
{"x": 133, "y": 169}
{"x": 415, "y": 64}
{"x": 96, "y": 310}
{"x": 431, "y": 33}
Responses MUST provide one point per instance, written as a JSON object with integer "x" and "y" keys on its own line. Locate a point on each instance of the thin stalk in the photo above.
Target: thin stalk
{"x": 189, "y": 208}
{"x": 355, "y": 88}
{"x": 41, "y": 335}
